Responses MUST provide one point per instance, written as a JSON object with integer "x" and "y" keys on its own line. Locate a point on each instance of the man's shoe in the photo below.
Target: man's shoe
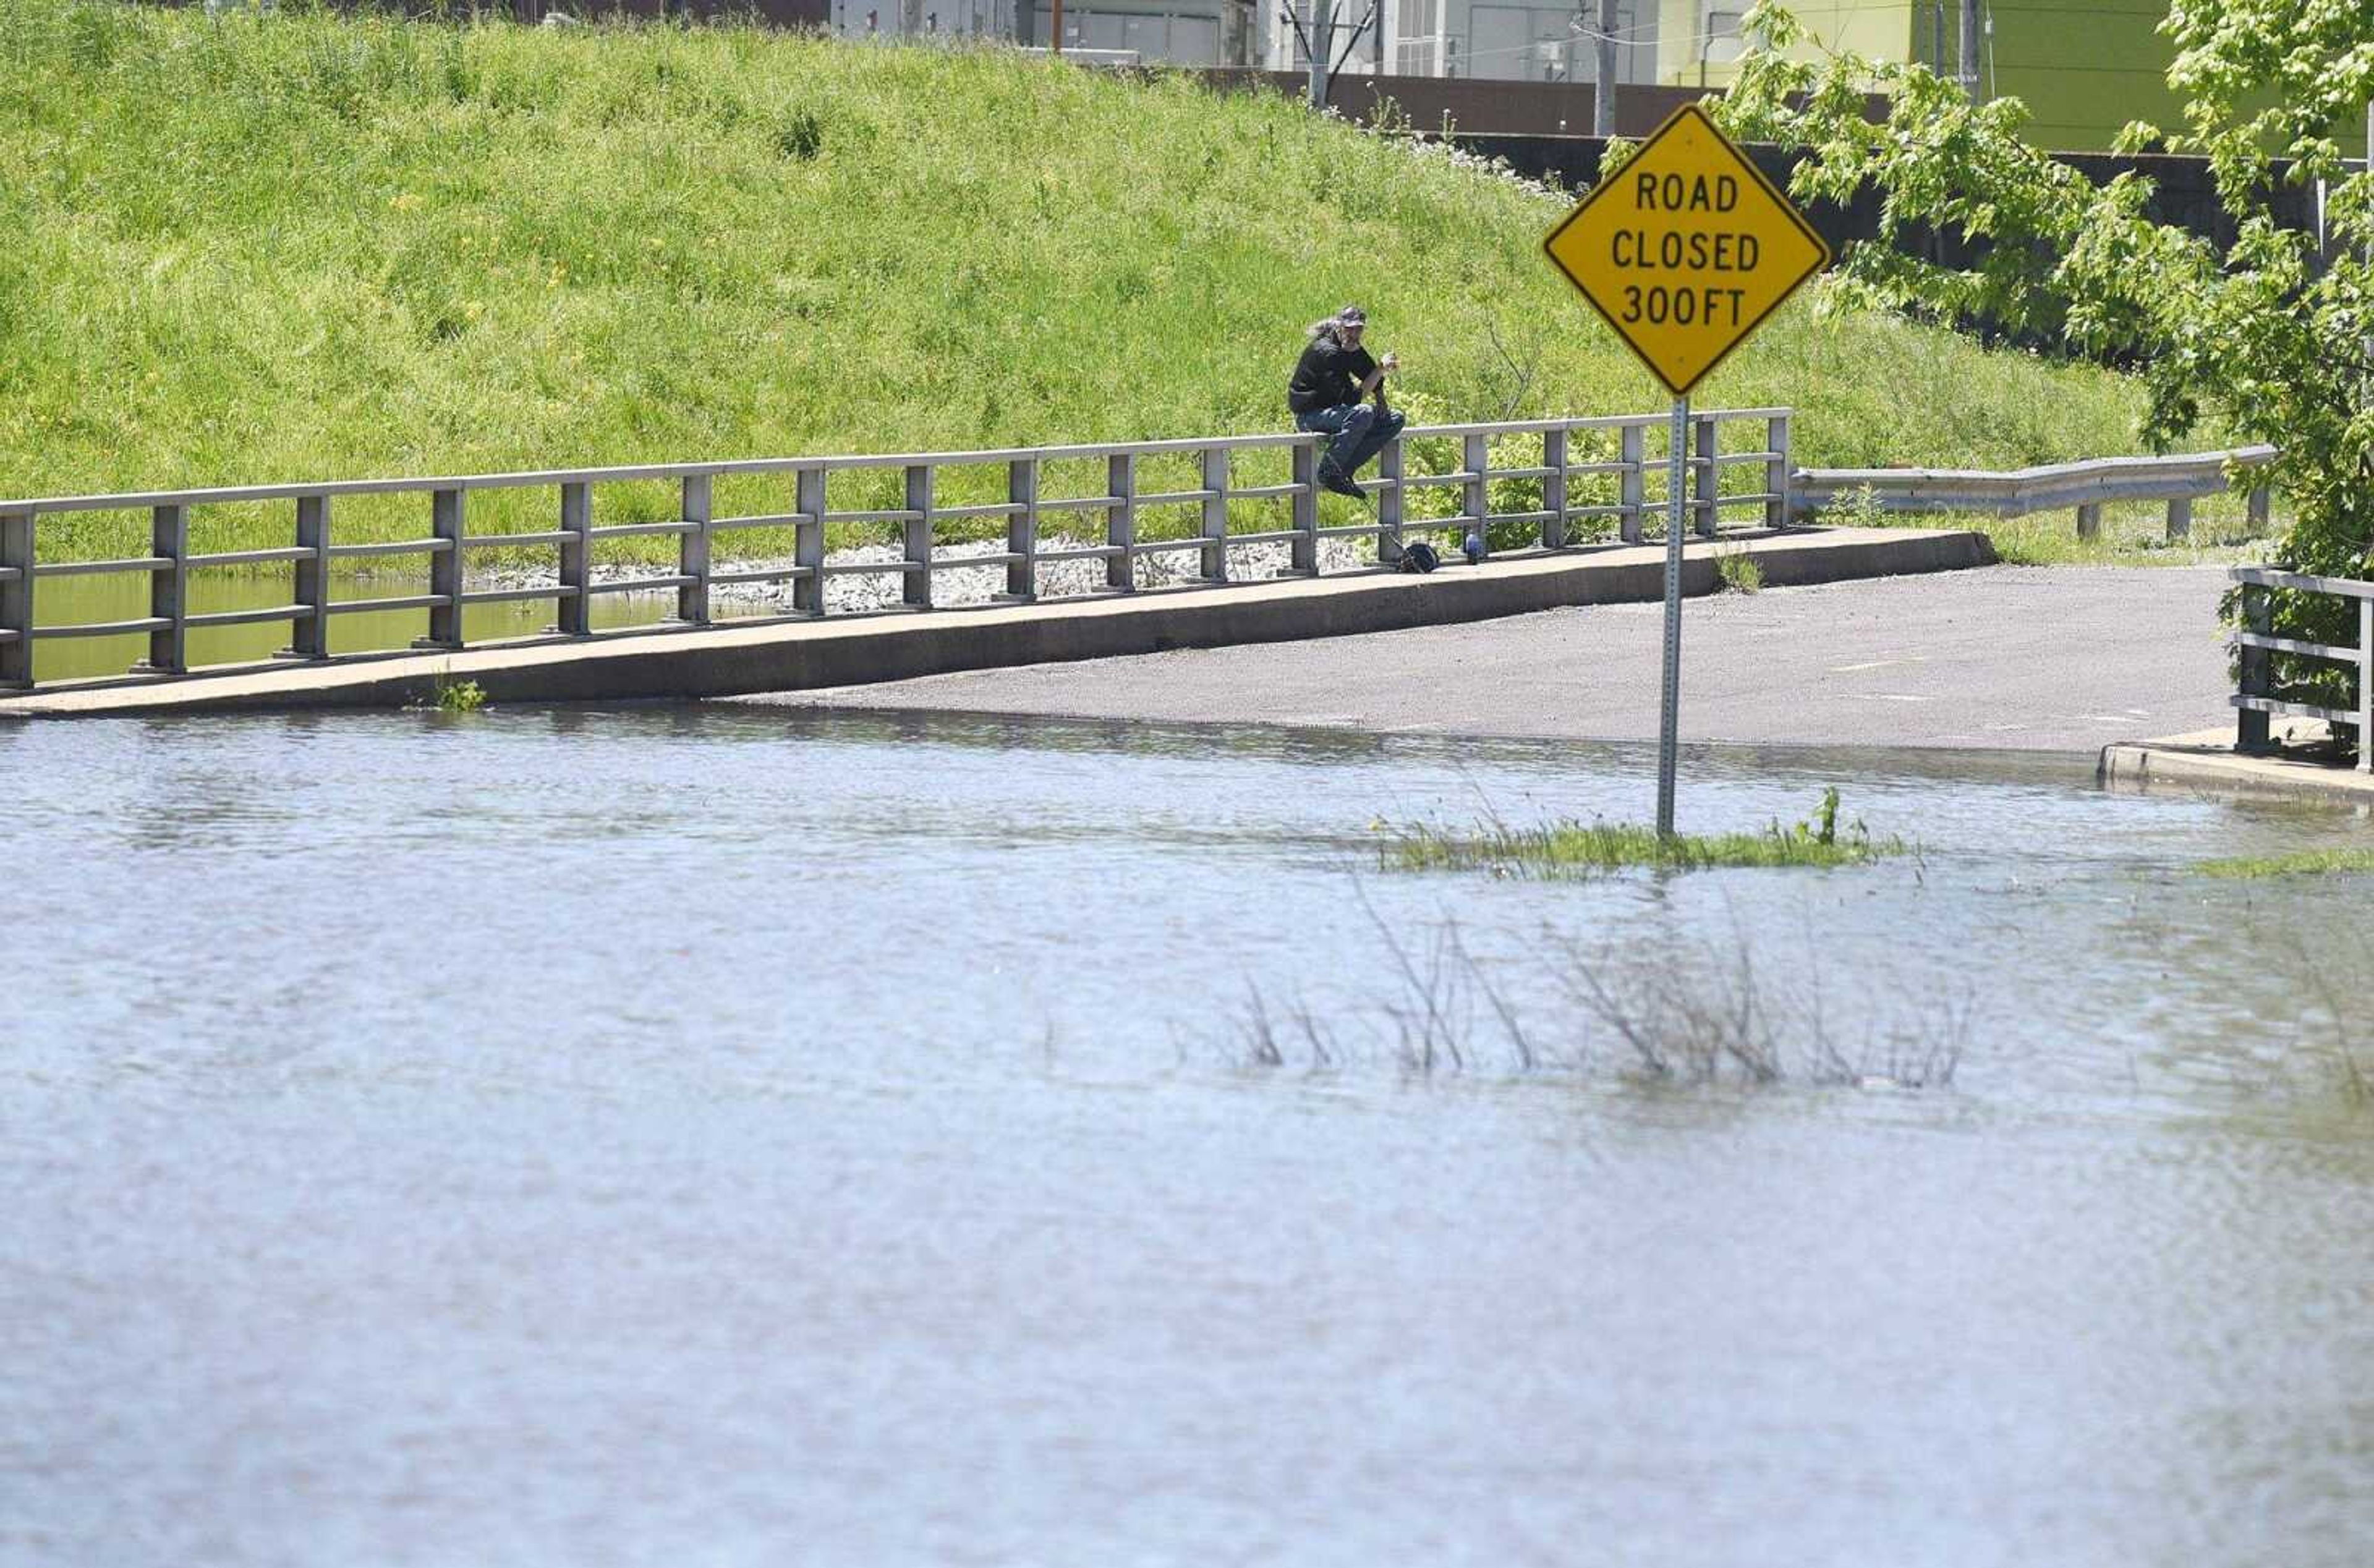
{"x": 1331, "y": 477}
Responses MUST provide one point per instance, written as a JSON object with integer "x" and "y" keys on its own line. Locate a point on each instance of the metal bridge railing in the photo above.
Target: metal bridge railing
{"x": 1578, "y": 460}
{"x": 2257, "y": 645}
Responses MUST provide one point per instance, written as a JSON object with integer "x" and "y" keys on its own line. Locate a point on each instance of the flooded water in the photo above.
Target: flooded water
{"x": 744, "y": 1135}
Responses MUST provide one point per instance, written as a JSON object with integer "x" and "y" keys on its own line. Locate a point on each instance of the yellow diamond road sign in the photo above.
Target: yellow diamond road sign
{"x": 1685, "y": 248}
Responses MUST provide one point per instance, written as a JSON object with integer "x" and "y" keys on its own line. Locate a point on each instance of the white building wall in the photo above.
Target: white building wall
{"x": 1486, "y": 39}
{"x": 1490, "y": 39}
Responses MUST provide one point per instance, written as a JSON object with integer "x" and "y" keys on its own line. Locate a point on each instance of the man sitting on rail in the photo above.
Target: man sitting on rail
{"x": 1332, "y": 384}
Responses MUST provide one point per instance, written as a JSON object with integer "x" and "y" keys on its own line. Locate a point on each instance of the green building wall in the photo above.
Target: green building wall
{"x": 2085, "y": 68}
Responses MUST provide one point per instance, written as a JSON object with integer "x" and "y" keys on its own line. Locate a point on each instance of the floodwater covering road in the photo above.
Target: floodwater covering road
{"x": 740, "y": 1135}
{"x": 2024, "y": 659}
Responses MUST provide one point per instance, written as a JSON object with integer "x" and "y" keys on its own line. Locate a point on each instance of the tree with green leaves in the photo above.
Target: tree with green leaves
{"x": 2269, "y": 338}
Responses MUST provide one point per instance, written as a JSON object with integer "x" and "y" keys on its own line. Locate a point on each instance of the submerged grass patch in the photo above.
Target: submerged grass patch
{"x": 1579, "y": 849}
{"x": 2305, "y": 863}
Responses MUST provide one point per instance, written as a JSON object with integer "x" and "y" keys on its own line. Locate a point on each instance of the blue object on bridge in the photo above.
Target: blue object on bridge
{"x": 1475, "y": 548}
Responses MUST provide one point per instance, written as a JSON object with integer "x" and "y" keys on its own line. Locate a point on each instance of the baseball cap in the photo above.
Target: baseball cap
{"x": 1352, "y": 316}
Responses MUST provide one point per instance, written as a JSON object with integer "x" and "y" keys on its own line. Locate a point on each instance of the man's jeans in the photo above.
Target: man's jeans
{"x": 1359, "y": 434}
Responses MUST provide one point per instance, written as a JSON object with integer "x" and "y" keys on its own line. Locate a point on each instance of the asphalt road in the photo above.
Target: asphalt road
{"x": 2019, "y": 657}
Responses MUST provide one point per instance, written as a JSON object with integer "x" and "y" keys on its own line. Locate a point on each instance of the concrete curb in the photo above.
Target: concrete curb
{"x": 798, "y": 655}
{"x": 2207, "y": 760}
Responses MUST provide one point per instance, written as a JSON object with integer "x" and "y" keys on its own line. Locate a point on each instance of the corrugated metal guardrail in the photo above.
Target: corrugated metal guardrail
{"x": 2179, "y": 479}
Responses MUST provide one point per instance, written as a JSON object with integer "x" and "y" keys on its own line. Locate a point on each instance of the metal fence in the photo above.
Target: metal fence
{"x": 1573, "y": 464}
{"x": 2179, "y": 479}
{"x": 2257, "y": 644}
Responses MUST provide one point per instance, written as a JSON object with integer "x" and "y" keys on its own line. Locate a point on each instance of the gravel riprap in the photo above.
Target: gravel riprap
{"x": 955, "y": 583}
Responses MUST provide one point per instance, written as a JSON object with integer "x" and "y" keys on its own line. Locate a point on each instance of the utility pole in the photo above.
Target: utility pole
{"x": 1321, "y": 40}
{"x": 1970, "y": 47}
{"x": 1602, "y": 93}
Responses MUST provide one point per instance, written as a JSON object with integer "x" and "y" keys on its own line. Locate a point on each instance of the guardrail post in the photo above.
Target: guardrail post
{"x": 2366, "y": 686}
{"x": 1022, "y": 530}
{"x": 1473, "y": 494}
{"x": 2089, "y": 520}
{"x": 446, "y": 522}
{"x": 2260, "y": 509}
{"x": 1776, "y": 473}
{"x": 692, "y": 552}
{"x": 1391, "y": 503}
{"x": 2251, "y": 723}
{"x": 17, "y": 600}
{"x": 1120, "y": 520}
{"x": 1553, "y": 489}
{"x": 574, "y": 615}
{"x": 309, "y": 635}
{"x": 1706, "y": 479}
{"x": 1635, "y": 486}
{"x": 916, "y": 590}
{"x": 1304, "y": 558}
{"x": 169, "y": 593}
{"x": 1215, "y": 514}
{"x": 2179, "y": 518}
{"x": 807, "y": 541}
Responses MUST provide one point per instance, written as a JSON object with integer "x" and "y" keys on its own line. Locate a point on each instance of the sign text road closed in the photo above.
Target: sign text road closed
{"x": 1685, "y": 248}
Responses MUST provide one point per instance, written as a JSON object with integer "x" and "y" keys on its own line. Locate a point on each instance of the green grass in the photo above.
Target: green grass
{"x": 261, "y": 248}
{"x": 2305, "y": 862}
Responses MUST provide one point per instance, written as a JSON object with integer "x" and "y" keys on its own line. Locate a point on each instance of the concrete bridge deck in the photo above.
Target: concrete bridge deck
{"x": 809, "y": 654}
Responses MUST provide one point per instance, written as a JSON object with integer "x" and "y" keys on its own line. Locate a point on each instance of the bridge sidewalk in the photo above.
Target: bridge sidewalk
{"x": 805, "y": 654}
{"x": 2206, "y": 760}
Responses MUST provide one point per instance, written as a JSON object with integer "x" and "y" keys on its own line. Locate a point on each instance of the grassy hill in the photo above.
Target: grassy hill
{"x": 269, "y": 248}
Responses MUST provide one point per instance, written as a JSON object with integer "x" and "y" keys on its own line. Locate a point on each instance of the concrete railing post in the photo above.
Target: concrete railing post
{"x": 2251, "y": 723}
{"x": 1475, "y": 493}
{"x": 1022, "y": 530}
{"x": 916, "y": 591}
{"x": 1634, "y": 496}
{"x": 447, "y": 521}
{"x": 309, "y": 634}
{"x": 1121, "y": 522}
{"x": 1776, "y": 473}
{"x": 2366, "y": 686}
{"x": 1215, "y": 562}
{"x": 692, "y": 552}
{"x": 807, "y": 541}
{"x": 574, "y": 614}
{"x": 1553, "y": 489}
{"x": 1392, "y": 507}
{"x": 2089, "y": 520}
{"x": 16, "y": 600}
{"x": 169, "y": 593}
{"x": 1706, "y": 478}
{"x": 1304, "y": 559}
{"x": 2260, "y": 507}
{"x": 2179, "y": 518}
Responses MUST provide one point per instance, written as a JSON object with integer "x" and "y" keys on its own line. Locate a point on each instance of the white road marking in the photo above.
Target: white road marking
{"x": 1878, "y": 664}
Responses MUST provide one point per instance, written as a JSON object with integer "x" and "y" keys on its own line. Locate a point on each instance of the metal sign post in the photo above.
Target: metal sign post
{"x": 1685, "y": 248}
{"x": 1669, "y": 720}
